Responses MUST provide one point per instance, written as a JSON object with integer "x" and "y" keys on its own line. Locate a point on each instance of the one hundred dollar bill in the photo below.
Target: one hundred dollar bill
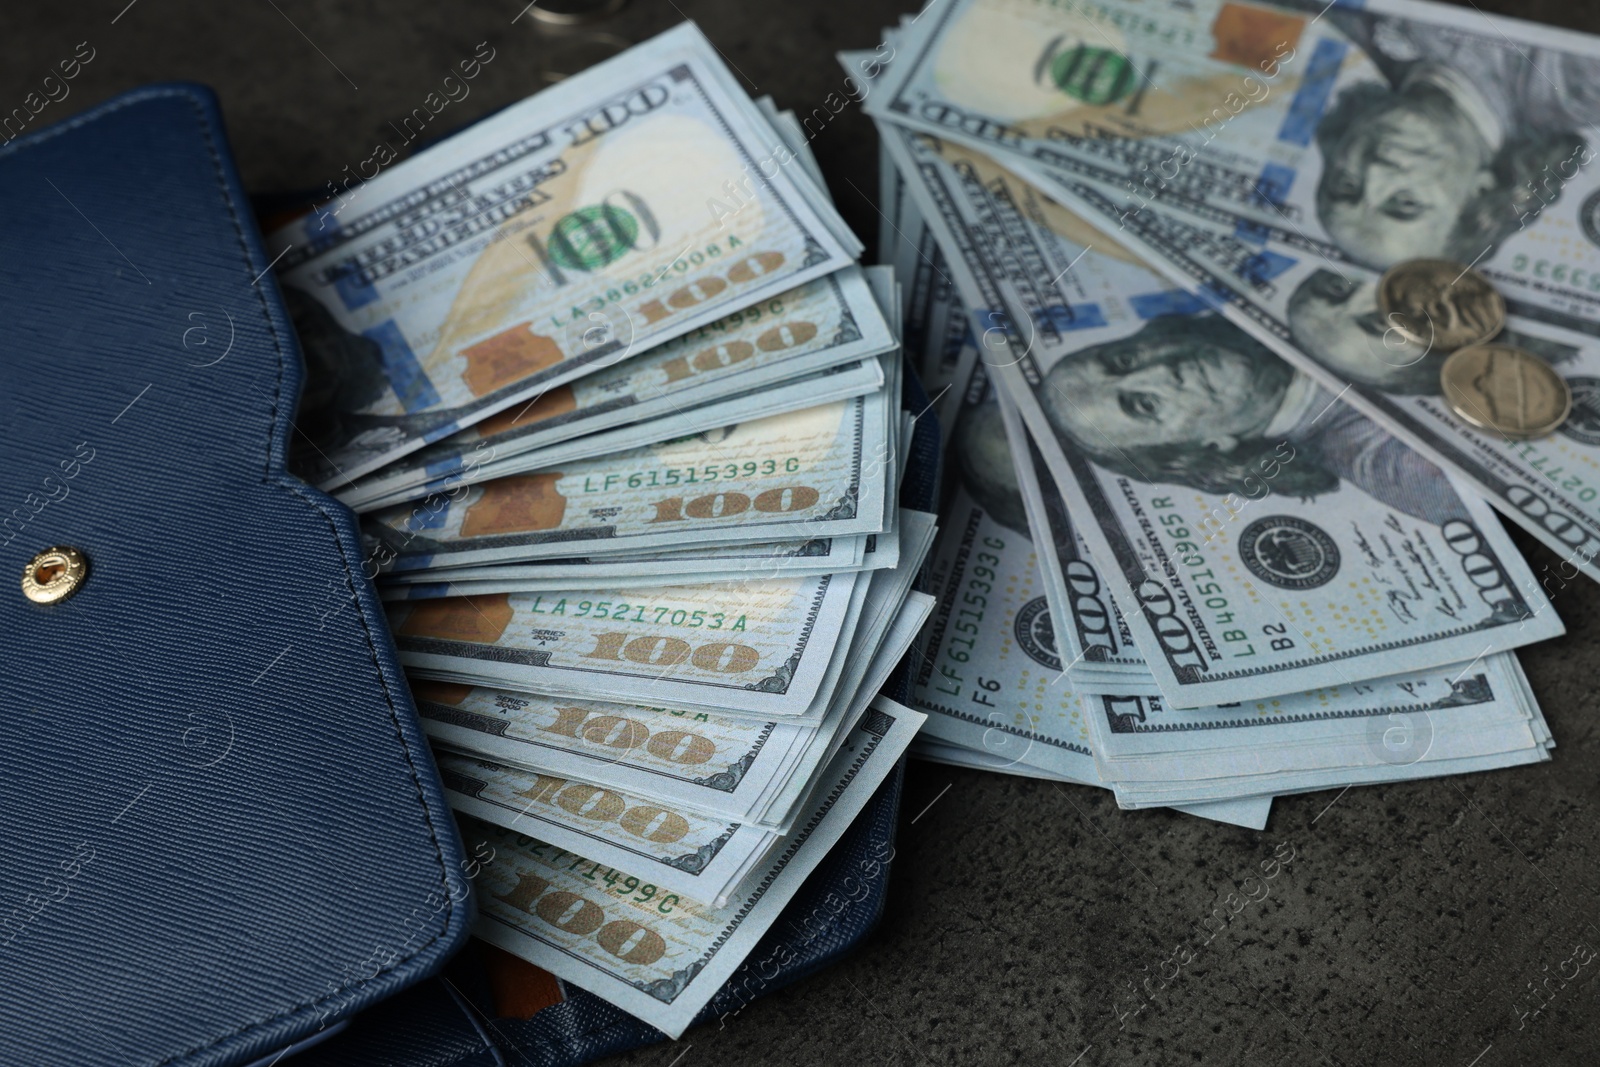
{"x": 990, "y": 675}
{"x": 824, "y": 387}
{"x": 1263, "y": 537}
{"x": 626, "y": 206}
{"x": 1275, "y": 159}
{"x": 1325, "y": 323}
{"x": 719, "y": 563}
{"x": 1094, "y": 636}
{"x": 830, "y": 322}
{"x": 678, "y": 849}
{"x": 1454, "y": 714}
{"x": 1456, "y": 719}
{"x": 710, "y": 763}
{"x": 760, "y": 648}
{"x": 809, "y": 474}
{"x": 991, "y": 681}
{"x": 654, "y": 954}
{"x": 811, "y": 389}
{"x": 1095, "y": 641}
{"x": 737, "y": 767}
{"x": 1362, "y": 134}
{"x": 996, "y": 671}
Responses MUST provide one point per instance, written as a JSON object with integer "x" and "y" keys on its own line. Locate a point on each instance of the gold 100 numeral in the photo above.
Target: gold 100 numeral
{"x": 620, "y": 732}
{"x": 732, "y": 353}
{"x": 720, "y": 657}
{"x": 691, "y": 294}
{"x": 625, "y": 939}
{"x": 780, "y": 501}
{"x": 649, "y": 822}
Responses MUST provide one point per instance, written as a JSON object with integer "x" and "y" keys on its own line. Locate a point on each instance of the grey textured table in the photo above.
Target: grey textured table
{"x": 1412, "y": 922}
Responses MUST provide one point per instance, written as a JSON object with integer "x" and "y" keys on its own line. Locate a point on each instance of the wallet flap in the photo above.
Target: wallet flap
{"x": 222, "y": 826}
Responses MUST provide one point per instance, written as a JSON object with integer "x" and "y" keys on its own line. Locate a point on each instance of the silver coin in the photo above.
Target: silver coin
{"x": 1505, "y": 389}
{"x": 1440, "y": 304}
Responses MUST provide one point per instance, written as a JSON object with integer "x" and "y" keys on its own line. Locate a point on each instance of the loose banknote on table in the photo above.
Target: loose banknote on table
{"x": 1273, "y": 538}
{"x": 1275, "y": 159}
{"x": 989, "y": 674}
{"x": 1456, "y": 718}
{"x": 1017, "y": 597}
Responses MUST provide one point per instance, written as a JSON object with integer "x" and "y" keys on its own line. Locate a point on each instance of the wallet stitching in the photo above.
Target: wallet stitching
{"x": 283, "y": 480}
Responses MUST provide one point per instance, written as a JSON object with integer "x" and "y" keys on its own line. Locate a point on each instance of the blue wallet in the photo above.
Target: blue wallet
{"x": 223, "y": 831}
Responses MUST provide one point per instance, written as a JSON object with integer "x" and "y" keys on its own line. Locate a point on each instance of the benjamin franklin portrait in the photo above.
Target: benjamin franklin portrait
{"x": 1334, "y": 318}
{"x": 1194, "y": 401}
{"x": 1455, "y": 146}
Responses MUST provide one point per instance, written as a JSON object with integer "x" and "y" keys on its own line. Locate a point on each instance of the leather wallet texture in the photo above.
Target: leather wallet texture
{"x": 222, "y": 828}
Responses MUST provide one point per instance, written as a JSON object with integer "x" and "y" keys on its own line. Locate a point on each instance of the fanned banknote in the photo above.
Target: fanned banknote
{"x": 992, "y": 683}
{"x": 802, "y": 475}
{"x": 1478, "y": 723}
{"x": 815, "y": 556}
{"x": 626, "y": 206}
{"x": 1461, "y": 717}
{"x": 709, "y": 762}
{"x": 753, "y": 352}
{"x": 1273, "y": 539}
{"x": 762, "y": 648}
{"x": 653, "y": 953}
{"x": 1095, "y": 638}
{"x": 812, "y": 388}
{"x": 1273, "y": 159}
{"x": 989, "y": 673}
{"x": 737, "y": 767}
{"x": 678, "y": 849}
{"x": 847, "y": 382}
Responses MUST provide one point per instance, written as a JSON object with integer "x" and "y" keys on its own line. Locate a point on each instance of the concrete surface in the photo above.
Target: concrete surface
{"x": 1411, "y": 924}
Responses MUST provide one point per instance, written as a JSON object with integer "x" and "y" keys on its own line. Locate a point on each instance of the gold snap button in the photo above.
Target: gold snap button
{"x": 54, "y": 574}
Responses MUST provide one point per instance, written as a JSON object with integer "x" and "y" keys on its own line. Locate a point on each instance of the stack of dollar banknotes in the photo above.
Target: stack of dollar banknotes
{"x": 1250, "y": 316}
{"x": 621, "y": 415}
{"x": 1241, "y": 319}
